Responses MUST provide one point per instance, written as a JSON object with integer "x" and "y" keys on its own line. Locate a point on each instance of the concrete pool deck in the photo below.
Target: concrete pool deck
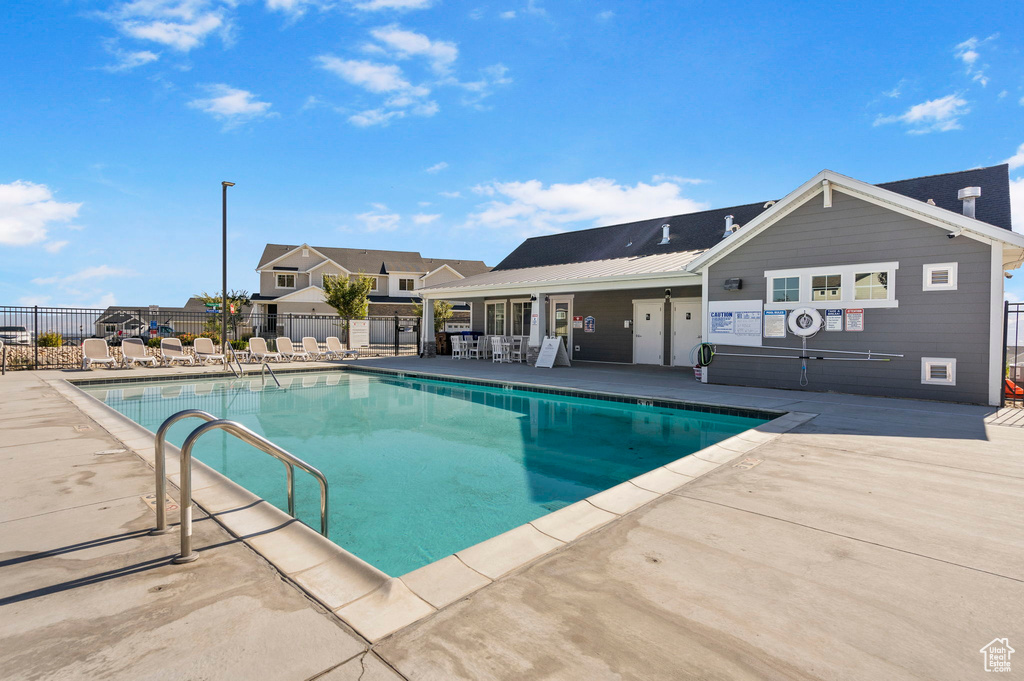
{"x": 882, "y": 539}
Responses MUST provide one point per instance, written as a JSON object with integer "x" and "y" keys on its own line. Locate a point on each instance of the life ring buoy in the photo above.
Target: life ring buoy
{"x": 805, "y": 322}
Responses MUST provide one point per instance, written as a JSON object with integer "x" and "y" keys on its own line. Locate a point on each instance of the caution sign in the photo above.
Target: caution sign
{"x": 855, "y": 319}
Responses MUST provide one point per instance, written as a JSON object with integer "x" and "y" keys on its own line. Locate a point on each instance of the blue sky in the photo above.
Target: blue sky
{"x": 457, "y": 128}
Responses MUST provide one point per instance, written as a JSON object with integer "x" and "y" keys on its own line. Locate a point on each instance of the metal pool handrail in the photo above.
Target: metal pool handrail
{"x": 265, "y": 368}
{"x": 263, "y": 444}
{"x": 185, "y": 484}
{"x": 160, "y": 464}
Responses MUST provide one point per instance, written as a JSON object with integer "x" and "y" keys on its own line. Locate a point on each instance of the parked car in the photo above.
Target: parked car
{"x": 15, "y": 335}
{"x": 163, "y": 331}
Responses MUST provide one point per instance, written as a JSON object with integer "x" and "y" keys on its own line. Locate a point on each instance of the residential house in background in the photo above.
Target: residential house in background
{"x": 291, "y": 279}
{"x": 125, "y": 320}
{"x": 911, "y": 271}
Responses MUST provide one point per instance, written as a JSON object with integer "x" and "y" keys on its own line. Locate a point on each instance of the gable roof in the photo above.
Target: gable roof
{"x": 370, "y": 261}
{"x": 703, "y": 230}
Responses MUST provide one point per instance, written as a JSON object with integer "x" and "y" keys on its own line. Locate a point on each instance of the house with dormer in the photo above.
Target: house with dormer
{"x": 292, "y": 278}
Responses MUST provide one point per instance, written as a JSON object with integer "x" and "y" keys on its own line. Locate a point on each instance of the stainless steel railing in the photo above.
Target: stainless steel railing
{"x": 290, "y": 461}
{"x": 265, "y": 368}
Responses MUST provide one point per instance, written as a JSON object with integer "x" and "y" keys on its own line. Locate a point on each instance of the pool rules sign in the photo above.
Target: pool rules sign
{"x": 552, "y": 354}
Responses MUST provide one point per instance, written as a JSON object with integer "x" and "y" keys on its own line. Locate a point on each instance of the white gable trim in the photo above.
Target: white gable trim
{"x": 939, "y": 217}
{"x": 268, "y": 265}
{"x": 310, "y": 294}
{"x": 328, "y": 260}
{"x": 445, "y": 266}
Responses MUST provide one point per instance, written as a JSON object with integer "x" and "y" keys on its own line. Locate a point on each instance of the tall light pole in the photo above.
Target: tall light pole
{"x": 224, "y": 268}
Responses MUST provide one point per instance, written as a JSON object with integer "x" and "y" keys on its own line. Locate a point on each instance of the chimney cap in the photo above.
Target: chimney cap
{"x": 969, "y": 193}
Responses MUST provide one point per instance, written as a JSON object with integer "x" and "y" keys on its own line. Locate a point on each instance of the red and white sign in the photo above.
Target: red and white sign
{"x": 855, "y": 319}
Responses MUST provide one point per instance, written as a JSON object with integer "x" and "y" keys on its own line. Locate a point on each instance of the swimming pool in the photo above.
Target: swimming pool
{"x": 420, "y": 469}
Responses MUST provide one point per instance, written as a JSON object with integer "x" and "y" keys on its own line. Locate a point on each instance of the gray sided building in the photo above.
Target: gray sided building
{"x": 910, "y": 271}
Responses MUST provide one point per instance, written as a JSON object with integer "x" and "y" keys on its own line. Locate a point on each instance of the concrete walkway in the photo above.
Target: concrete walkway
{"x": 881, "y": 540}
{"x": 86, "y": 593}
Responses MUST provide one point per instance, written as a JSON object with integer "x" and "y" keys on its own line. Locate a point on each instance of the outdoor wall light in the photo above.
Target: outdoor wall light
{"x": 668, "y": 294}
{"x": 533, "y": 299}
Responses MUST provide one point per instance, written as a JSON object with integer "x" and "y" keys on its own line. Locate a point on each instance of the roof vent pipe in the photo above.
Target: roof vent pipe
{"x": 728, "y": 226}
{"x": 968, "y": 195}
{"x": 664, "y": 235}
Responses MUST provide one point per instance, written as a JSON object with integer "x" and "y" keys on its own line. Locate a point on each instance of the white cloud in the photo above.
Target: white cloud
{"x": 897, "y": 90}
{"x": 231, "y": 105}
{"x": 126, "y": 59}
{"x": 478, "y": 90}
{"x": 510, "y": 14}
{"x": 606, "y": 15}
{"x": 441, "y": 53}
{"x": 424, "y": 204}
{"x": 530, "y": 208}
{"x": 367, "y": 75}
{"x": 365, "y": 119}
{"x": 437, "y": 167}
{"x": 29, "y": 301}
{"x": 677, "y": 179}
{"x": 55, "y": 246}
{"x": 106, "y": 300}
{"x": 935, "y": 115}
{"x": 27, "y": 210}
{"x": 968, "y": 53}
{"x": 180, "y": 24}
{"x": 451, "y": 195}
{"x": 1017, "y": 160}
{"x": 424, "y": 219}
{"x": 379, "y": 220}
{"x": 1017, "y": 203}
{"x": 88, "y": 274}
{"x": 375, "y": 5}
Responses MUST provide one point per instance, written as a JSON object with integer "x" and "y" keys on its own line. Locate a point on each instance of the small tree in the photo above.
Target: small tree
{"x": 442, "y": 313}
{"x": 236, "y": 299}
{"x": 349, "y": 297}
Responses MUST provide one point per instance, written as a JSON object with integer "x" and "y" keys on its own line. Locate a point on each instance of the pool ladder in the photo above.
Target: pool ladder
{"x": 290, "y": 461}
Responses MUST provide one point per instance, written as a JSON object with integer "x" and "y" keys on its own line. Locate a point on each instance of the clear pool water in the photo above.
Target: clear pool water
{"x": 420, "y": 469}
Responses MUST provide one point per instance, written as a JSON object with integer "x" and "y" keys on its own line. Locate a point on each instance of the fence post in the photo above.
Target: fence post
{"x": 396, "y": 334}
{"x": 1006, "y": 329}
{"x": 35, "y": 334}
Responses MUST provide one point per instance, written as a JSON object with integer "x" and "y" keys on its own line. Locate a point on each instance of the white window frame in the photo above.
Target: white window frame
{"x": 504, "y": 317}
{"x": 846, "y": 297}
{"x": 411, "y": 280}
{"x": 511, "y": 315}
{"x": 376, "y": 284}
{"x": 277, "y": 279}
{"x": 927, "y": 270}
{"x": 771, "y": 289}
{"x": 928, "y": 362}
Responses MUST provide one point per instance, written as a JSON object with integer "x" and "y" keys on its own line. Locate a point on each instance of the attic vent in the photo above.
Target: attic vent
{"x": 940, "y": 277}
{"x": 938, "y": 371}
{"x": 968, "y": 195}
{"x": 305, "y": 252}
{"x": 664, "y": 235}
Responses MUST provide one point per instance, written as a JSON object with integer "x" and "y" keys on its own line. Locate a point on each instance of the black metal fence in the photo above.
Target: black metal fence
{"x": 51, "y": 337}
{"x": 1013, "y": 341}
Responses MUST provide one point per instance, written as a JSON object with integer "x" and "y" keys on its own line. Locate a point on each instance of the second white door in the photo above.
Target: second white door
{"x": 648, "y": 332}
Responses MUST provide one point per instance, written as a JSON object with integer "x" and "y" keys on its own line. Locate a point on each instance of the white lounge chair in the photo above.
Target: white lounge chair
{"x": 258, "y": 350}
{"x": 312, "y": 348}
{"x": 458, "y": 347}
{"x": 134, "y": 352}
{"x": 288, "y": 351}
{"x": 95, "y": 351}
{"x": 334, "y": 348}
{"x": 171, "y": 352}
{"x": 205, "y": 352}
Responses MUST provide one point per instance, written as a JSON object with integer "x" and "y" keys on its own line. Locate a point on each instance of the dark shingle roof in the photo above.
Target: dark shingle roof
{"x": 703, "y": 230}
{"x": 369, "y": 261}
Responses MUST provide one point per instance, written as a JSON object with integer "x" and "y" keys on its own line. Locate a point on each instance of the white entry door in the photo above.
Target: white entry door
{"x": 685, "y": 332}
{"x": 648, "y": 332}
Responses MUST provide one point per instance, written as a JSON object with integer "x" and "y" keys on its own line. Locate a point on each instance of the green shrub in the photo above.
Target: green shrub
{"x": 50, "y": 339}
{"x": 186, "y": 338}
{"x": 240, "y": 344}
{"x": 153, "y": 342}
{"x": 212, "y": 335}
